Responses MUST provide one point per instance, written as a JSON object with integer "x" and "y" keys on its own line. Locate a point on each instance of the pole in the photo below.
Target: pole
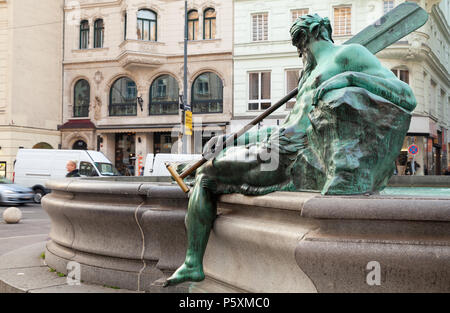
{"x": 185, "y": 100}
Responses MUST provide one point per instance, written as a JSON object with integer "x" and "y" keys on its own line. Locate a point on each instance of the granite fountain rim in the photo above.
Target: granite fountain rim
{"x": 309, "y": 204}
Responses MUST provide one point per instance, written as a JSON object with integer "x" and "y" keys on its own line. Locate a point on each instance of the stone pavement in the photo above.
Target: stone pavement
{"x": 24, "y": 271}
{"x": 34, "y": 227}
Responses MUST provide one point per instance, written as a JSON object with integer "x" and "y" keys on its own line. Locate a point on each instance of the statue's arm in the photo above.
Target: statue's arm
{"x": 391, "y": 89}
{"x": 254, "y": 135}
{"x": 360, "y": 68}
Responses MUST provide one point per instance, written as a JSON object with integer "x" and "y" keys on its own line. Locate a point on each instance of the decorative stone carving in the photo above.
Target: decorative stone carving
{"x": 127, "y": 60}
{"x": 97, "y": 108}
{"x": 98, "y": 78}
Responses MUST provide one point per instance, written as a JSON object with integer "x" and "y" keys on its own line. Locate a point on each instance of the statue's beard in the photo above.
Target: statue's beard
{"x": 309, "y": 63}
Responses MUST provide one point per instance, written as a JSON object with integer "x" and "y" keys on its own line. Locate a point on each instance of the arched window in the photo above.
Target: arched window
{"x": 207, "y": 94}
{"x": 81, "y": 98}
{"x": 193, "y": 25}
{"x": 122, "y": 98}
{"x": 209, "y": 24}
{"x": 164, "y": 96}
{"x": 42, "y": 145}
{"x": 146, "y": 25}
{"x": 99, "y": 31}
{"x": 79, "y": 145}
{"x": 84, "y": 34}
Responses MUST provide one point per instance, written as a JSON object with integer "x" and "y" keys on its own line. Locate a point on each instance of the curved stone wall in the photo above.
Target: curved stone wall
{"x": 115, "y": 230}
{"x": 131, "y": 234}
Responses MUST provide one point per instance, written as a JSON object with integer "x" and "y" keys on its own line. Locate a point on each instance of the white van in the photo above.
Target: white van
{"x": 34, "y": 167}
{"x": 154, "y": 164}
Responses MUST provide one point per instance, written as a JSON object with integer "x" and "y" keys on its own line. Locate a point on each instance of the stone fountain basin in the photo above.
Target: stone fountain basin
{"x": 130, "y": 233}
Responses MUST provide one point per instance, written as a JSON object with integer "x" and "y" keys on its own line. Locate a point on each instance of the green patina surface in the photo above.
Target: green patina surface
{"x": 342, "y": 136}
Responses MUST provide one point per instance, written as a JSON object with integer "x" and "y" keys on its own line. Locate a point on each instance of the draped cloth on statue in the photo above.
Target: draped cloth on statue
{"x": 353, "y": 141}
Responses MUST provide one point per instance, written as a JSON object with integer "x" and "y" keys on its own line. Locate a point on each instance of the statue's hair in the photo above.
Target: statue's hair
{"x": 310, "y": 26}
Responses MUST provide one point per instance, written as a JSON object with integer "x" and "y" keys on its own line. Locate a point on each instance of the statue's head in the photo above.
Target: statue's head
{"x": 310, "y": 27}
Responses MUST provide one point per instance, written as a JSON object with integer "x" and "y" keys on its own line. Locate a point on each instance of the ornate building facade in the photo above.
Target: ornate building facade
{"x": 266, "y": 65}
{"x": 123, "y": 75}
{"x": 30, "y": 77}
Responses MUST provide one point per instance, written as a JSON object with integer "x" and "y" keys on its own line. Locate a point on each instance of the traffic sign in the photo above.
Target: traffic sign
{"x": 188, "y": 123}
{"x": 413, "y": 149}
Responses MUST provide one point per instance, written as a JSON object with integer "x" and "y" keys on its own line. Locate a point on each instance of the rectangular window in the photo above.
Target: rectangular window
{"x": 193, "y": 29}
{"x": 388, "y": 5}
{"x": 442, "y": 106}
{"x": 292, "y": 77}
{"x": 99, "y": 30}
{"x": 209, "y": 24}
{"x": 297, "y": 13}
{"x": 403, "y": 75}
{"x": 84, "y": 35}
{"x": 342, "y": 21}
{"x": 125, "y": 27}
{"x": 432, "y": 97}
{"x": 260, "y": 28}
{"x": 259, "y": 91}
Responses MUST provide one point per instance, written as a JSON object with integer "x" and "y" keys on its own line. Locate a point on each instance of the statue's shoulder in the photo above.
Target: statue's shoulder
{"x": 354, "y": 54}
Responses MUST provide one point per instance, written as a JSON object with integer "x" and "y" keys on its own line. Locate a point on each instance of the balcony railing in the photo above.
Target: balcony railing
{"x": 122, "y": 109}
{"x": 81, "y": 111}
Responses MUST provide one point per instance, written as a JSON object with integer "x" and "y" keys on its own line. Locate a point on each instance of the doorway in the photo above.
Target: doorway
{"x": 79, "y": 145}
{"x": 125, "y": 153}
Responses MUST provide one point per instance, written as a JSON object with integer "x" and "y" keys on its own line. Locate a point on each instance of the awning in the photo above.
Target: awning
{"x": 77, "y": 124}
{"x": 157, "y": 129}
{"x": 136, "y": 130}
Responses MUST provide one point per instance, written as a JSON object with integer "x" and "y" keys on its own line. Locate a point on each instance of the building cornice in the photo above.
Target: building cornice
{"x": 93, "y": 5}
{"x": 441, "y": 21}
{"x": 31, "y": 130}
{"x": 265, "y": 56}
{"x": 421, "y": 54}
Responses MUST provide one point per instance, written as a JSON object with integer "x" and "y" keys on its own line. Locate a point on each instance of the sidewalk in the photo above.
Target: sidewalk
{"x": 24, "y": 271}
{"x": 33, "y": 228}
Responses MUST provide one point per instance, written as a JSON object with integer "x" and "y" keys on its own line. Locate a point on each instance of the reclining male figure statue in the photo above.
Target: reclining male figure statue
{"x": 347, "y": 103}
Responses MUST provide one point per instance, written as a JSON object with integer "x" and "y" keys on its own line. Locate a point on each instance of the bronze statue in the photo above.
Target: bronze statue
{"x": 342, "y": 137}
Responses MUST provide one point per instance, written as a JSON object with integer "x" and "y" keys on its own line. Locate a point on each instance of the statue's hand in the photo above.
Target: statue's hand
{"x": 318, "y": 95}
{"x": 213, "y": 147}
{"x": 339, "y": 81}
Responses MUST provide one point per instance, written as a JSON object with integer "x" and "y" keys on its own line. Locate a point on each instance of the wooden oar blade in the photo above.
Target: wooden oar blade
{"x": 394, "y": 25}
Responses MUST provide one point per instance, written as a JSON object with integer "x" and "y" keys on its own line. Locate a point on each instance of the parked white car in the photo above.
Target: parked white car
{"x": 34, "y": 167}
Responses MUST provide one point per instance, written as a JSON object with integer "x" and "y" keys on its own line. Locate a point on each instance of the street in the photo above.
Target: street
{"x": 33, "y": 228}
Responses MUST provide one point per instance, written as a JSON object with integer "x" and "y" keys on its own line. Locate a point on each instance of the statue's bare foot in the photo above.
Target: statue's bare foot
{"x": 185, "y": 273}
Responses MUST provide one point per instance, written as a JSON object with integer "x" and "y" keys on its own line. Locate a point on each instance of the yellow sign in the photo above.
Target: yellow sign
{"x": 188, "y": 123}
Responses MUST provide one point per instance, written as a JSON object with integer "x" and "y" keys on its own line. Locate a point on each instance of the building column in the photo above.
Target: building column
{"x": 108, "y": 146}
{"x": 131, "y": 23}
{"x": 144, "y": 146}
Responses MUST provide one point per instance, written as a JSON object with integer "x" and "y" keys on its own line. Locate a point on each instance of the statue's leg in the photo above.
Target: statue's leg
{"x": 240, "y": 166}
{"x": 202, "y": 211}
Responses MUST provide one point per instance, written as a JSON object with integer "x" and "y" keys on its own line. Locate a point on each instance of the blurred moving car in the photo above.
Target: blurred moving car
{"x": 34, "y": 167}
{"x": 11, "y": 193}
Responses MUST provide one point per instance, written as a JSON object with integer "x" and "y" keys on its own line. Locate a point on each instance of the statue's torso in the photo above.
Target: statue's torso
{"x": 335, "y": 61}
